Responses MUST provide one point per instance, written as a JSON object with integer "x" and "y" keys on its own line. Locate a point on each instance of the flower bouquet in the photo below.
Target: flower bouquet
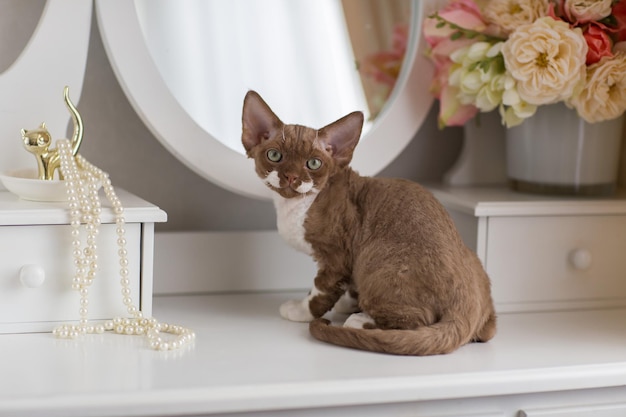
{"x": 515, "y": 55}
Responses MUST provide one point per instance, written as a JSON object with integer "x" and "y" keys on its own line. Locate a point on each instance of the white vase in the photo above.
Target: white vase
{"x": 557, "y": 152}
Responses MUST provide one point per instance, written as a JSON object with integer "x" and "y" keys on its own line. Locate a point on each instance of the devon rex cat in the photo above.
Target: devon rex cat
{"x": 387, "y": 242}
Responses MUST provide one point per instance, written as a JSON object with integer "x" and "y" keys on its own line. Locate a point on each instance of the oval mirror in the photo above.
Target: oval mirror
{"x": 251, "y": 44}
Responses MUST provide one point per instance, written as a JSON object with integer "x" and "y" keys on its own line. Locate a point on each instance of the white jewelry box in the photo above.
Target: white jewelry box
{"x": 36, "y": 267}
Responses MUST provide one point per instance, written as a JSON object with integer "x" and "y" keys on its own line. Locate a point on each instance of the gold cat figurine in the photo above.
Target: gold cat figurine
{"x": 388, "y": 243}
{"x": 38, "y": 141}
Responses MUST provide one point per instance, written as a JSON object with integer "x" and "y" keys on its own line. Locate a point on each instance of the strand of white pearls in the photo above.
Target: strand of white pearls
{"x": 82, "y": 181}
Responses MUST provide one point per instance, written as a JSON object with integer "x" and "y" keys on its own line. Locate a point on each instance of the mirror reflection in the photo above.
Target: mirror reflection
{"x": 313, "y": 60}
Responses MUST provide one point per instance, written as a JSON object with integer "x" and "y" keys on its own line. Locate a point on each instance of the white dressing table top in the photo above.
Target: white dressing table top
{"x": 15, "y": 211}
{"x": 246, "y": 358}
{"x": 501, "y": 201}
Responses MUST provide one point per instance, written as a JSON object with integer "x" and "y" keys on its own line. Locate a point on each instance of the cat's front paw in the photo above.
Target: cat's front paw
{"x": 296, "y": 310}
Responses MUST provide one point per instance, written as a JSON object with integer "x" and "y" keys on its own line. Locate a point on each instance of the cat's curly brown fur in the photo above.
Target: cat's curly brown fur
{"x": 387, "y": 240}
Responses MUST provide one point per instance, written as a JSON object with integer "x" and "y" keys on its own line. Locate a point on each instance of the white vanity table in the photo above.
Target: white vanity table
{"x": 560, "y": 350}
{"x": 249, "y": 361}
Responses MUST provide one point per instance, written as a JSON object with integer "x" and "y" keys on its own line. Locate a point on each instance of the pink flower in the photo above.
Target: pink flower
{"x": 598, "y": 41}
{"x": 384, "y": 66}
{"x": 465, "y": 14}
{"x": 451, "y": 111}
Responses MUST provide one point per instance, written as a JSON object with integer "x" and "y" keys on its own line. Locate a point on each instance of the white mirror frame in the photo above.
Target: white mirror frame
{"x": 142, "y": 83}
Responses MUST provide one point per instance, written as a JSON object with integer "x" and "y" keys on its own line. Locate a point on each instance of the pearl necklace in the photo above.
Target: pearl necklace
{"x": 82, "y": 181}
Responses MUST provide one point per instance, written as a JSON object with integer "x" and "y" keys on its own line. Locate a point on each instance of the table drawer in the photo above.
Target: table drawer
{"x": 48, "y": 248}
{"x": 552, "y": 262}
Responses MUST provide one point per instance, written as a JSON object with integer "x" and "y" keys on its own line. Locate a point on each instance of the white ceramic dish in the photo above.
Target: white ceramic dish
{"x": 24, "y": 184}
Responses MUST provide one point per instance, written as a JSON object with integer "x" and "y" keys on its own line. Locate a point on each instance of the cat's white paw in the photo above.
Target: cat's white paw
{"x": 296, "y": 310}
{"x": 358, "y": 320}
{"x": 346, "y": 304}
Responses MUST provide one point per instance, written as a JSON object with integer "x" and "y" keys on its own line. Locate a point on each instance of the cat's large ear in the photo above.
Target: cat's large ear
{"x": 258, "y": 121}
{"x": 341, "y": 137}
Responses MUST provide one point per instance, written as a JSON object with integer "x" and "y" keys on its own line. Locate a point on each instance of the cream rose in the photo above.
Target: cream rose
{"x": 603, "y": 96}
{"x": 583, "y": 11}
{"x": 507, "y": 15}
{"x": 547, "y": 60}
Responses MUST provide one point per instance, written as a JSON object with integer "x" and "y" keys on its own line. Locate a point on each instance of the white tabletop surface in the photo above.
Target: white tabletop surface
{"x": 15, "y": 211}
{"x": 247, "y": 358}
{"x": 502, "y": 201}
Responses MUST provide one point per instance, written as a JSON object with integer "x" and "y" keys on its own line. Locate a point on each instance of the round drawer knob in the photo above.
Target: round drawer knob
{"x": 580, "y": 258}
{"x": 32, "y": 276}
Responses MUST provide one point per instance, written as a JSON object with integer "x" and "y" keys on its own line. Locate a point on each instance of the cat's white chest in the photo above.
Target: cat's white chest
{"x": 290, "y": 216}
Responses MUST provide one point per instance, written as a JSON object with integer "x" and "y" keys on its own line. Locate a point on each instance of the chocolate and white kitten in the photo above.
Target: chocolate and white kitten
{"x": 388, "y": 242}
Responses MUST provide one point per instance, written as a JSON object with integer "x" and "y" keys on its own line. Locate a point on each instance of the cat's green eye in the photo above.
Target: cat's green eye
{"x": 274, "y": 155}
{"x": 314, "y": 163}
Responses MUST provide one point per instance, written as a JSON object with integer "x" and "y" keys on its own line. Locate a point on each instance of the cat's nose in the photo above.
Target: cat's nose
{"x": 291, "y": 178}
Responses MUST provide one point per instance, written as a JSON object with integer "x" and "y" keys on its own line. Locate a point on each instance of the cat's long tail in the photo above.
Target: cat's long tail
{"x": 439, "y": 338}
